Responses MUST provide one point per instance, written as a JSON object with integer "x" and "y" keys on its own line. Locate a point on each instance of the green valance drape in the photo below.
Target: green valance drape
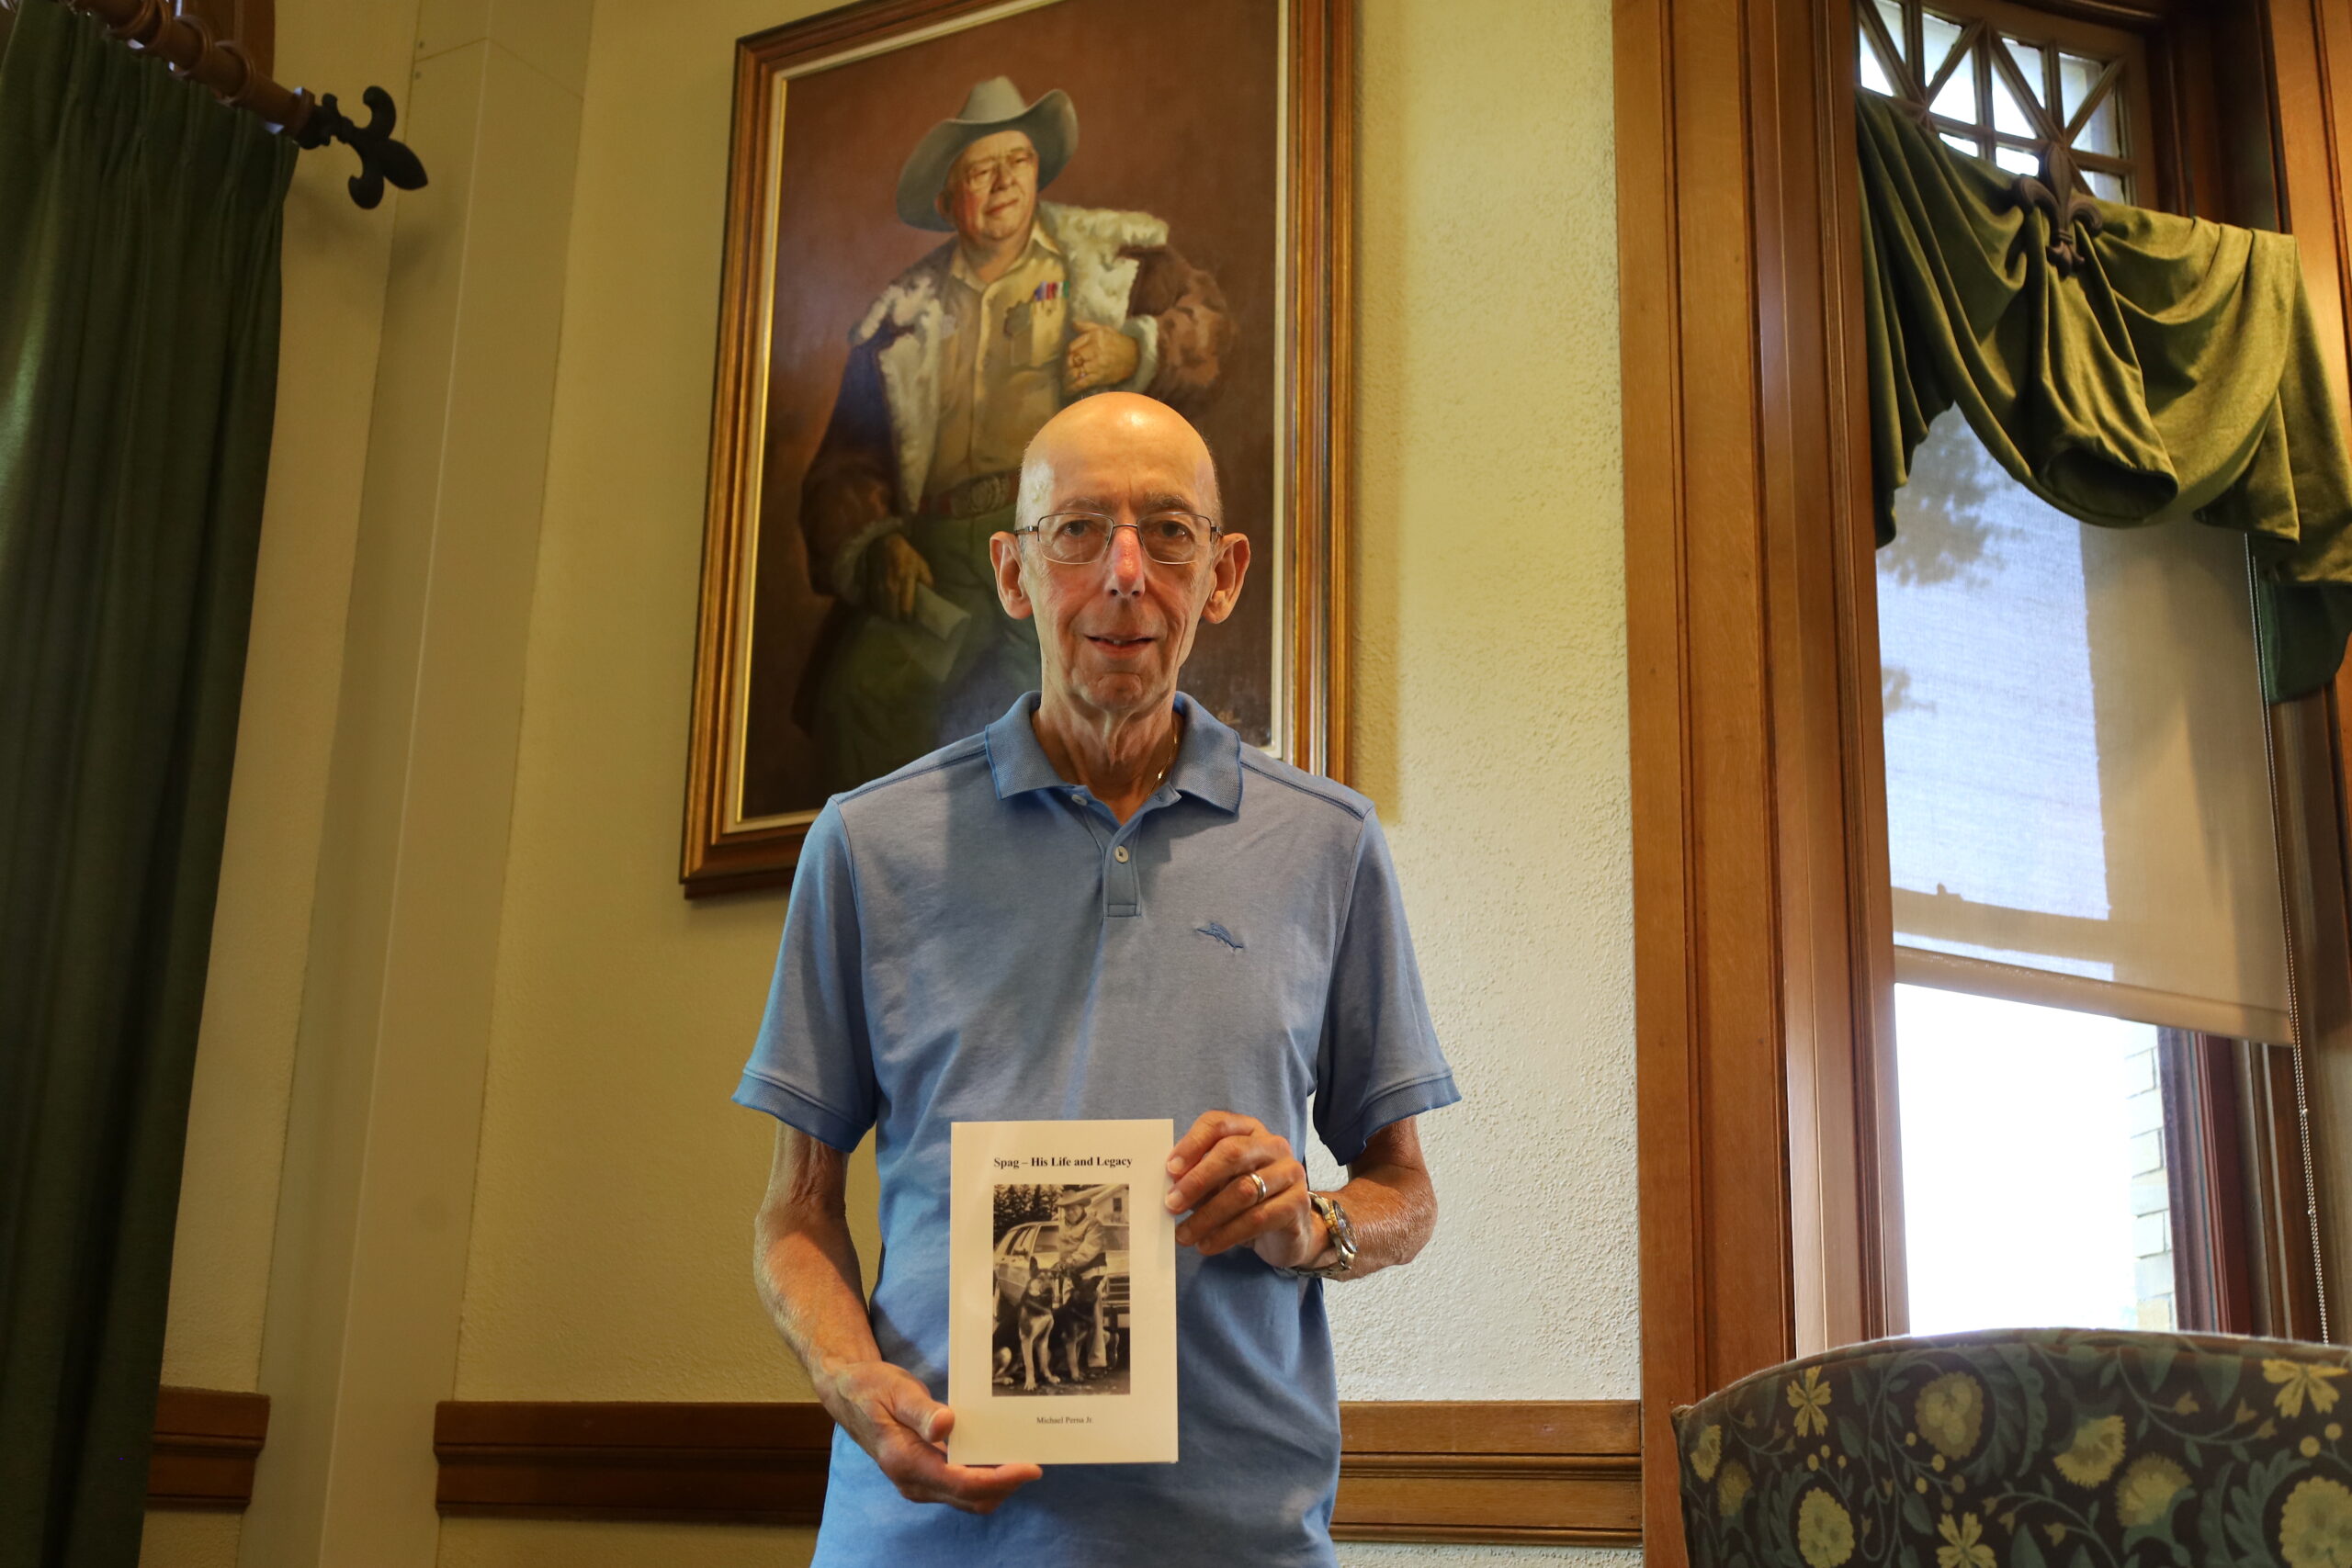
{"x": 2175, "y": 375}
{"x": 139, "y": 299}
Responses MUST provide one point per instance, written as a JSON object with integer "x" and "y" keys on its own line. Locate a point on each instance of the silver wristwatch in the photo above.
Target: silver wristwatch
{"x": 1343, "y": 1238}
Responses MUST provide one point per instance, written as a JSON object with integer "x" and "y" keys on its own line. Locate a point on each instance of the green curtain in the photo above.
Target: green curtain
{"x": 2176, "y": 374}
{"x": 139, "y": 291}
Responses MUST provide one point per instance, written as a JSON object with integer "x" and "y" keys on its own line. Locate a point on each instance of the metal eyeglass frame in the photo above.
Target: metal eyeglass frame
{"x": 1216, "y": 531}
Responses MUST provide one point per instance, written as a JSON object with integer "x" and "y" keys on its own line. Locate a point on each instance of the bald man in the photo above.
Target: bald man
{"x": 1102, "y": 905}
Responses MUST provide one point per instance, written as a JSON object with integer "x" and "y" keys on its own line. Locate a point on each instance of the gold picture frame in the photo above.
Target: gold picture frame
{"x": 778, "y": 340}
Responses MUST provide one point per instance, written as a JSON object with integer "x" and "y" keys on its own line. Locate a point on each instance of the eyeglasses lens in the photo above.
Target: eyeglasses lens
{"x": 1080, "y": 539}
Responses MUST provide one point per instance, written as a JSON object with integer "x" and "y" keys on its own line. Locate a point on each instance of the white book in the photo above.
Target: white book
{"x": 1061, "y": 1339}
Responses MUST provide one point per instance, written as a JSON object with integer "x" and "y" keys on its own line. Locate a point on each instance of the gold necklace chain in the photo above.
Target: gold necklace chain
{"x": 1177, "y": 747}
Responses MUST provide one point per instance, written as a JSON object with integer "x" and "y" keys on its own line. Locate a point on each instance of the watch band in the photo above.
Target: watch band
{"x": 1343, "y": 1239}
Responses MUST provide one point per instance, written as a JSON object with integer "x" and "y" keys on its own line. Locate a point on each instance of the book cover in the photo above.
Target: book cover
{"x": 1061, "y": 1345}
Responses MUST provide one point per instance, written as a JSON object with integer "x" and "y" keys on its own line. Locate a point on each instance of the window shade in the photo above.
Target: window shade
{"x": 2078, "y": 803}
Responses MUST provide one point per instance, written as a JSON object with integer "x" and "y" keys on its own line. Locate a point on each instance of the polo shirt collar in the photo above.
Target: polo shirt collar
{"x": 1208, "y": 764}
{"x": 1016, "y": 762}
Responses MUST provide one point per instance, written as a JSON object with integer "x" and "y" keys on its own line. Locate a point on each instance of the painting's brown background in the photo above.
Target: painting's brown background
{"x": 1177, "y": 116}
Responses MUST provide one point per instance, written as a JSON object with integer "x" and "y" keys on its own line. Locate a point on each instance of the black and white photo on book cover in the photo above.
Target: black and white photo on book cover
{"x": 1062, "y": 1273}
{"x": 1062, "y": 1314}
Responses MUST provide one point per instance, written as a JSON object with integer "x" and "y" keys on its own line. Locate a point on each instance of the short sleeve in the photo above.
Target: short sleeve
{"x": 813, "y": 1066}
{"x": 1379, "y": 1062}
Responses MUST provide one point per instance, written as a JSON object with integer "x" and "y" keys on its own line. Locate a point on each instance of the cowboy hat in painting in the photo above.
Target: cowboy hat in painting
{"x": 1050, "y": 123}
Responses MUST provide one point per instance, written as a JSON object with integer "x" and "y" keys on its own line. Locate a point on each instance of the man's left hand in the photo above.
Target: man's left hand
{"x": 1099, "y": 356}
{"x": 1213, "y": 1163}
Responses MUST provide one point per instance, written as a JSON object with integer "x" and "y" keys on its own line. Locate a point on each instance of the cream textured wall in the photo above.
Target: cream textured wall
{"x": 1490, "y": 686}
{"x": 1490, "y": 693}
{"x": 334, "y": 262}
{"x": 505, "y": 1544}
{"x": 176, "y": 1539}
{"x": 369, "y": 1270}
{"x": 610, "y": 1232}
{"x": 611, "y": 1240}
{"x": 611, "y": 1214}
{"x": 609, "y": 1236}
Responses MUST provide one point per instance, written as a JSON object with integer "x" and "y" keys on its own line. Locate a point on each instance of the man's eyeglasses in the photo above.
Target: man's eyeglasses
{"x": 1080, "y": 538}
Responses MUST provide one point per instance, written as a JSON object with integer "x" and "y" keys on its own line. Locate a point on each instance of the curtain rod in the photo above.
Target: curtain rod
{"x": 187, "y": 45}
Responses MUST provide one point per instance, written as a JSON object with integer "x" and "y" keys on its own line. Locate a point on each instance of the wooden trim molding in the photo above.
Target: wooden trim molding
{"x": 1524, "y": 1474}
{"x": 207, "y": 1440}
{"x": 1761, "y": 951}
{"x": 714, "y": 1464}
{"x": 1520, "y": 1474}
{"x": 2306, "y": 48}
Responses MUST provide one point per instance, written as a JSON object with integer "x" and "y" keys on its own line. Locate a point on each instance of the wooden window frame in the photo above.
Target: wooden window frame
{"x": 1763, "y": 945}
{"x": 2232, "y": 1109}
{"x": 2205, "y": 1169}
{"x": 2073, "y": 34}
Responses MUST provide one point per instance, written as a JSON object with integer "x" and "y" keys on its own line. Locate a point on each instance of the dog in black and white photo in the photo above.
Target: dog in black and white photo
{"x": 1062, "y": 1289}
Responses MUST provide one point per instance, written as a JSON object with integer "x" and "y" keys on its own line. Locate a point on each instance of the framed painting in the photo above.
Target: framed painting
{"x": 946, "y": 220}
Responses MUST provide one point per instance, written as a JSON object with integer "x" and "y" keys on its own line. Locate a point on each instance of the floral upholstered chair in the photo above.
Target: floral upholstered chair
{"x": 2027, "y": 1449}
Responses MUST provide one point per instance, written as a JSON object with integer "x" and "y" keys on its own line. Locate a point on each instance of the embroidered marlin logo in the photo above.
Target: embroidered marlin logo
{"x": 1218, "y": 931}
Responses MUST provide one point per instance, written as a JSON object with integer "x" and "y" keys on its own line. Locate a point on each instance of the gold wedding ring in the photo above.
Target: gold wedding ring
{"x": 1261, "y": 1187}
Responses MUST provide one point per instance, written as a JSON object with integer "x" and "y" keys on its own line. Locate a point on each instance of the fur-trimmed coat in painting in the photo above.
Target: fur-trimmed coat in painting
{"x": 867, "y": 476}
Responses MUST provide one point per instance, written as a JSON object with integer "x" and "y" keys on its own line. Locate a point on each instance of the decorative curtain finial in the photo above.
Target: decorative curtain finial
{"x": 381, "y": 158}
{"x": 2073, "y": 221}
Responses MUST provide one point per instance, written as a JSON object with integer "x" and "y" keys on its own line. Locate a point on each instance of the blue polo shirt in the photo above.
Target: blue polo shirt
{"x": 971, "y": 939}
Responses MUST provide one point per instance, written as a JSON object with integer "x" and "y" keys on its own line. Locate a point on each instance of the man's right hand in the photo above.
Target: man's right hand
{"x": 897, "y": 568}
{"x": 893, "y": 1417}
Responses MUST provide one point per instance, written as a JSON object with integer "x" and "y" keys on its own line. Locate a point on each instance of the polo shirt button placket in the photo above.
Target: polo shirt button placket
{"x": 1120, "y": 894}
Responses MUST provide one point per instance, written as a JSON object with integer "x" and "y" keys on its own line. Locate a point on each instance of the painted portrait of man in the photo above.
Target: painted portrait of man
{"x": 1027, "y": 306}
{"x": 946, "y": 227}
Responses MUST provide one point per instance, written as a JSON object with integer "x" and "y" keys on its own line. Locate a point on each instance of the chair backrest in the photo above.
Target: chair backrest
{"x": 2027, "y": 1449}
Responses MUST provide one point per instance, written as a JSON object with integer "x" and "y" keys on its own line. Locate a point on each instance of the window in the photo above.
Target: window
{"x": 2002, "y": 83}
{"x": 2092, "y": 1023}
{"x": 2043, "y": 1128}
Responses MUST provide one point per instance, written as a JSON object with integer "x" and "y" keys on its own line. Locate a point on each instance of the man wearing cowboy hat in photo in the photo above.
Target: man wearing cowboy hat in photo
{"x": 1085, "y": 1243}
{"x": 1031, "y": 306}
